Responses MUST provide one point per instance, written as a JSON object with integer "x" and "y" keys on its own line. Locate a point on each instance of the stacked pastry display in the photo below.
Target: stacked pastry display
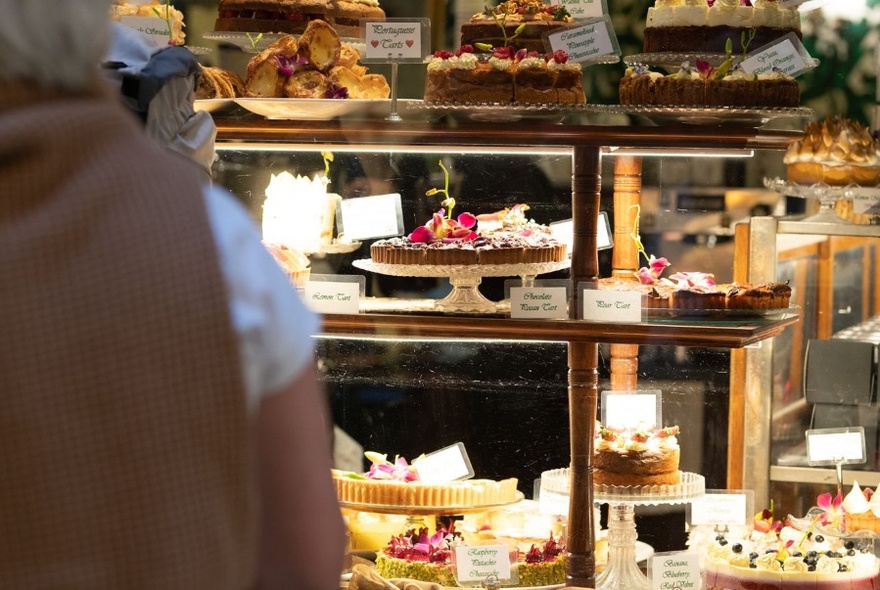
{"x": 696, "y": 30}
{"x": 219, "y": 83}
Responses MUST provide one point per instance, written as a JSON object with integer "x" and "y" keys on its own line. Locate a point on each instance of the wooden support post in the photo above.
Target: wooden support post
{"x": 583, "y": 378}
{"x": 624, "y": 363}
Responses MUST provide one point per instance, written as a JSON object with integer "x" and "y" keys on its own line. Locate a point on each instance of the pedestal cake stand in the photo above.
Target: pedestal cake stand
{"x": 465, "y": 279}
{"x": 622, "y": 571}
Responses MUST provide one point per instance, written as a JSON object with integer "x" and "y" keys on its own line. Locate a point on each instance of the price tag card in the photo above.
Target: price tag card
{"x": 475, "y": 563}
{"x": 786, "y": 54}
{"x": 364, "y": 218}
{"x": 833, "y": 446}
{"x": 399, "y": 40}
{"x": 675, "y": 570}
{"x": 632, "y": 410}
{"x": 584, "y": 9}
{"x": 334, "y": 293}
{"x": 563, "y": 231}
{"x": 154, "y": 27}
{"x": 588, "y": 42}
{"x": 448, "y": 464}
{"x": 548, "y": 303}
{"x": 866, "y": 201}
{"x": 722, "y": 508}
{"x": 610, "y": 306}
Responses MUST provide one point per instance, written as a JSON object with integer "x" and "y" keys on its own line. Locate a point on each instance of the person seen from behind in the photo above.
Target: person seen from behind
{"x": 161, "y": 423}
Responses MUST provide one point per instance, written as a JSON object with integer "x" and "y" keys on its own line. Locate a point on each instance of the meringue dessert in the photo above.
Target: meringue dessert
{"x": 836, "y": 152}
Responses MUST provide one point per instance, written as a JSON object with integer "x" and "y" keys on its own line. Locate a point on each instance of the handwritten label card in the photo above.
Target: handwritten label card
{"x": 584, "y": 9}
{"x": 675, "y": 571}
{"x": 396, "y": 40}
{"x": 611, "y": 306}
{"x": 866, "y": 201}
{"x": 632, "y": 410}
{"x": 722, "y": 507}
{"x": 364, "y": 218}
{"x": 334, "y": 296}
{"x": 830, "y": 446}
{"x": 448, "y": 464}
{"x": 538, "y": 303}
{"x": 805, "y": 5}
{"x": 154, "y": 27}
{"x": 587, "y": 42}
{"x": 476, "y": 563}
{"x": 787, "y": 54}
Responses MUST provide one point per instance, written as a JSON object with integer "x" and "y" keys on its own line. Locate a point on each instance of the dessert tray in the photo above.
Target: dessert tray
{"x": 428, "y": 510}
{"x": 213, "y": 105}
{"x": 671, "y": 62}
{"x": 492, "y": 112}
{"x": 719, "y": 314}
{"x": 825, "y": 194}
{"x": 465, "y": 297}
{"x": 319, "y": 109}
{"x": 750, "y": 117}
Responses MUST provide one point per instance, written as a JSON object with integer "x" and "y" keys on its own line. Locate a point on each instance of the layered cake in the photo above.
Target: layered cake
{"x": 152, "y": 9}
{"x": 516, "y": 23}
{"x": 417, "y": 555}
{"x": 314, "y": 65}
{"x": 706, "y": 86}
{"x": 636, "y": 458}
{"x": 705, "y": 26}
{"x": 505, "y": 76}
{"x": 460, "y": 241}
{"x": 293, "y": 16}
{"x": 835, "y": 151}
{"x": 783, "y": 558}
{"x": 397, "y": 483}
{"x": 861, "y": 507}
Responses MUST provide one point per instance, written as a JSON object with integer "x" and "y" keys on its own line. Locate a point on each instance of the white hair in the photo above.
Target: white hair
{"x": 54, "y": 43}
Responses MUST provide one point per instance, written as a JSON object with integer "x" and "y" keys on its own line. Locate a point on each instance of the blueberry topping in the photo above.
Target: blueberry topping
{"x": 737, "y": 548}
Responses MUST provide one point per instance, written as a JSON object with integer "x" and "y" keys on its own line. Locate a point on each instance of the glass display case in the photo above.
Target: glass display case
{"x": 521, "y": 394}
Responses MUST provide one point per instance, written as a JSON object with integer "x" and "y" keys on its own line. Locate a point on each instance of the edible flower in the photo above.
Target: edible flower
{"x": 381, "y": 468}
{"x": 288, "y": 65}
{"x": 832, "y": 510}
{"x": 648, "y": 275}
{"x": 441, "y": 228}
{"x": 693, "y": 279}
{"x": 336, "y": 92}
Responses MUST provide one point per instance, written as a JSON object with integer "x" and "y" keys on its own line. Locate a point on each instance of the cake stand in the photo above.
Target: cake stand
{"x": 825, "y": 194}
{"x": 622, "y": 571}
{"x": 465, "y": 279}
{"x": 415, "y": 514}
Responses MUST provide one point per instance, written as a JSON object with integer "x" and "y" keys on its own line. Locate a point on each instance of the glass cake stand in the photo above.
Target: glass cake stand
{"x": 415, "y": 514}
{"x": 622, "y": 571}
{"x": 825, "y": 194}
{"x": 465, "y": 279}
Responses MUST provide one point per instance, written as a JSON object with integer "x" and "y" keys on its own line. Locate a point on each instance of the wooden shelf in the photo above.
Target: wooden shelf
{"x": 709, "y": 334}
{"x": 531, "y": 134}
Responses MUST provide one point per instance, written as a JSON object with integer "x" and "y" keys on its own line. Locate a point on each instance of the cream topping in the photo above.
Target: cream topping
{"x": 697, "y": 13}
{"x": 855, "y": 501}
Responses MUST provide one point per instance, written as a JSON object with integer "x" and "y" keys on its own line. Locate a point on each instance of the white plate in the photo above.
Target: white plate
{"x": 644, "y": 552}
{"x": 213, "y": 105}
{"x": 494, "y": 113}
{"x": 671, "y": 62}
{"x": 319, "y": 109}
